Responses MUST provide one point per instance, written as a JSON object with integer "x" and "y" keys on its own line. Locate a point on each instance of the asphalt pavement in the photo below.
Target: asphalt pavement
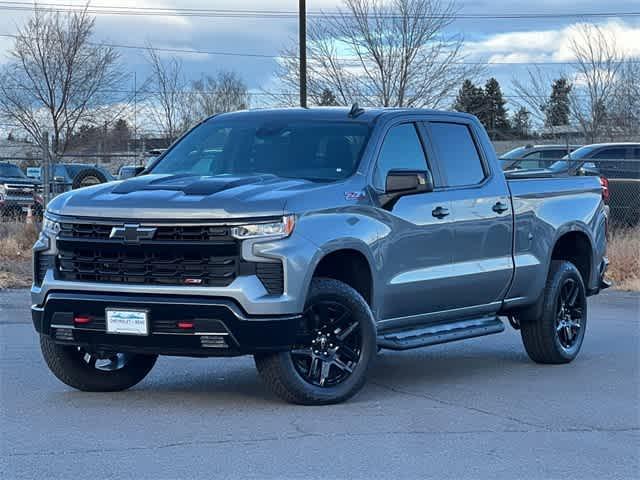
{"x": 473, "y": 409}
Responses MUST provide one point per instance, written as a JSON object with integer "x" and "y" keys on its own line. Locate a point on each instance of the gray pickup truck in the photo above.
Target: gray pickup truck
{"x": 311, "y": 239}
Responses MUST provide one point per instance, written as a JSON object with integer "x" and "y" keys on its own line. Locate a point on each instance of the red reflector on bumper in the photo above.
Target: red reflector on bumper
{"x": 81, "y": 319}
{"x": 185, "y": 325}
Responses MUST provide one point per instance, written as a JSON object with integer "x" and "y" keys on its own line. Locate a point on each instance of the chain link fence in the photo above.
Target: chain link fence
{"x": 28, "y": 183}
{"x": 620, "y": 180}
{"x": 24, "y": 191}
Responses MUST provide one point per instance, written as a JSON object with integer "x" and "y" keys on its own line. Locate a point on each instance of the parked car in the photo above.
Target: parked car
{"x": 619, "y": 163}
{"x": 17, "y": 192}
{"x": 309, "y": 238}
{"x": 534, "y": 156}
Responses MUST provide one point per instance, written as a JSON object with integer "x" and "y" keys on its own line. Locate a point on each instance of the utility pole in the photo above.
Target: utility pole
{"x": 45, "y": 171}
{"x": 302, "y": 11}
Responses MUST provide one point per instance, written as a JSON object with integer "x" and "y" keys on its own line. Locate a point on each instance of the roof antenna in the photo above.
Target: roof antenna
{"x": 355, "y": 110}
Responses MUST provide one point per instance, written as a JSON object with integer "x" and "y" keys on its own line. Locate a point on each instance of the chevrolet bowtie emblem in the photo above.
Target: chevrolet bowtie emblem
{"x": 132, "y": 233}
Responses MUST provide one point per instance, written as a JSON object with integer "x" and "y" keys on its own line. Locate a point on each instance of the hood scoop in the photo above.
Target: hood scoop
{"x": 187, "y": 184}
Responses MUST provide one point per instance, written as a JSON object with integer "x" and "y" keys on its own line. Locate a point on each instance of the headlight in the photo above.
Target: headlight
{"x": 3, "y": 191}
{"x": 50, "y": 227}
{"x": 279, "y": 229}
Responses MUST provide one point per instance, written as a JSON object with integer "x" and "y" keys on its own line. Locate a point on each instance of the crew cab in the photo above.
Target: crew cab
{"x": 310, "y": 239}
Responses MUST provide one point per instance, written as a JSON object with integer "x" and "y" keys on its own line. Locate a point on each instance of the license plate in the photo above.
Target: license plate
{"x": 130, "y": 322}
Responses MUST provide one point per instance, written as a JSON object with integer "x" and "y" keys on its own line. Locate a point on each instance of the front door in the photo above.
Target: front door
{"x": 417, "y": 249}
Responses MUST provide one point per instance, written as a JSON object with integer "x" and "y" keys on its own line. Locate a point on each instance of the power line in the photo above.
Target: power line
{"x": 290, "y": 14}
{"x": 346, "y": 60}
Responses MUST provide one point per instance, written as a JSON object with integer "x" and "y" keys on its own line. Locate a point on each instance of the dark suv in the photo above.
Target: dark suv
{"x": 534, "y": 156}
{"x": 619, "y": 163}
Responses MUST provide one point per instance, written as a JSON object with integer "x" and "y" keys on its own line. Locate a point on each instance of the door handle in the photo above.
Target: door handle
{"x": 440, "y": 212}
{"x": 500, "y": 207}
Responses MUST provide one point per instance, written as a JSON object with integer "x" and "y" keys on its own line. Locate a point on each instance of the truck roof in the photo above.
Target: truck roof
{"x": 367, "y": 114}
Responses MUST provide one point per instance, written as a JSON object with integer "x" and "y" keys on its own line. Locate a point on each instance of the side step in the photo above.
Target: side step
{"x": 441, "y": 333}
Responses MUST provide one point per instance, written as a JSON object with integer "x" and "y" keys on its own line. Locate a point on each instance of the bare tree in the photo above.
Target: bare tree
{"x": 597, "y": 63}
{"x": 381, "y": 52}
{"x": 624, "y": 105}
{"x": 57, "y": 78}
{"x": 533, "y": 93}
{"x": 166, "y": 98}
{"x": 226, "y": 92}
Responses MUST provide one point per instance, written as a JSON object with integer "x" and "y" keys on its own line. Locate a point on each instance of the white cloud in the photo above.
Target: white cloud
{"x": 550, "y": 45}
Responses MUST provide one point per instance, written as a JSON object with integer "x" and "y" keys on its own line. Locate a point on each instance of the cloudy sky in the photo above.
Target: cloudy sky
{"x": 520, "y": 40}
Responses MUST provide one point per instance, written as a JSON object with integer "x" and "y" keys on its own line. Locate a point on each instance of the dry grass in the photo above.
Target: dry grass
{"x": 624, "y": 255}
{"x": 16, "y": 240}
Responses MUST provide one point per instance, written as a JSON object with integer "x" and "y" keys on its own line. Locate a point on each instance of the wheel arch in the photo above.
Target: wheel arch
{"x": 350, "y": 264}
{"x": 573, "y": 243}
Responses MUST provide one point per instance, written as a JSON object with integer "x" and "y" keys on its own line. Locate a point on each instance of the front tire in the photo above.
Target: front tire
{"x": 334, "y": 353}
{"x": 556, "y": 335}
{"x": 91, "y": 372}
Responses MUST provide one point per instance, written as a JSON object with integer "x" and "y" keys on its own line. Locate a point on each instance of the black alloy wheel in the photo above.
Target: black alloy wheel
{"x": 332, "y": 347}
{"x": 570, "y": 312}
{"x": 335, "y": 348}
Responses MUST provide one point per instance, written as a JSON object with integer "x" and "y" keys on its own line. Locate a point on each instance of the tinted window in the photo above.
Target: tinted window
{"x": 401, "y": 150}
{"x": 11, "y": 171}
{"x": 250, "y": 145}
{"x": 553, "y": 154}
{"x": 611, "y": 153}
{"x": 457, "y": 153}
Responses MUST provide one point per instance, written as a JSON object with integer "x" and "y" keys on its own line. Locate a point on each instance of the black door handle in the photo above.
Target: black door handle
{"x": 440, "y": 212}
{"x": 500, "y": 207}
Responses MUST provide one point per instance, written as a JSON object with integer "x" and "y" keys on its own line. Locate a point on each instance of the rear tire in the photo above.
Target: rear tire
{"x": 555, "y": 336}
{"x": 331, "y": 362}
{"x": 79, "y": 369}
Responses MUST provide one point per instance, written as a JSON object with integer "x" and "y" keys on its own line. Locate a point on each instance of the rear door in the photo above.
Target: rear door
{"x": 481, "y": 213}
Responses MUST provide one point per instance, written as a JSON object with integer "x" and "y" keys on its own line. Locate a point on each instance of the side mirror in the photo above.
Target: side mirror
{"x": 404, "y": 182}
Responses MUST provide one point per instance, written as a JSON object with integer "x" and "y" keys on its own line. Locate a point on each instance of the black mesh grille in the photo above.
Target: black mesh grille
{"x": 176, "y": 255}
{"x": 272, "y": 277}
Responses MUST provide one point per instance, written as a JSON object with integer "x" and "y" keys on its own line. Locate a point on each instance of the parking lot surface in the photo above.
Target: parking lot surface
{"x": 475, "y": 409}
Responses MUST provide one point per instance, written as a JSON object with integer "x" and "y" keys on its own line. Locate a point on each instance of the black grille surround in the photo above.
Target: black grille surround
{"x": 187, "y": 255}
{"x": 176, "y": 255}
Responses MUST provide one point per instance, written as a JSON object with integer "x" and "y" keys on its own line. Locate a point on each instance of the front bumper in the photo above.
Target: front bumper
{"x": 220, "y": 326}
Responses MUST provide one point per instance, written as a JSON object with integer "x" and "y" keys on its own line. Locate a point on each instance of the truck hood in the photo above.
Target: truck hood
{"x": 27, "y": 182}
{"x": 187, "y": 197}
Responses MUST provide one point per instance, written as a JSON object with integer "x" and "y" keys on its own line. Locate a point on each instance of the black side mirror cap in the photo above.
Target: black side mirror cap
{"x": 405, "y": 182}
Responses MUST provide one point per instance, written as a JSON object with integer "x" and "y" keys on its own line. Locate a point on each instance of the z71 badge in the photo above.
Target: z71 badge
{"x": 353, "y": 195}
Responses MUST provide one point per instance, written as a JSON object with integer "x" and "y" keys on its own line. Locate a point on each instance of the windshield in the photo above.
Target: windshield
{"x": 11, "y": 171}
{"x": 313, "y": 150}
{"x": 577, "y": 154}
{"x": 515, "y": 153}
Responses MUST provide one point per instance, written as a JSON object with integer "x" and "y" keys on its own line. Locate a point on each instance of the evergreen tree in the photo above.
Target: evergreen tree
{"x": 521, "y": 122}
{"x": 495, "y": 115}
{"x": 327, "y": 99}
{"x": 470, "y": 99}
{"x": 557, "y": 108}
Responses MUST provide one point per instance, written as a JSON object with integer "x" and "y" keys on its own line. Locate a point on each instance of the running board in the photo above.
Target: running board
{"x": 441, "y": 333}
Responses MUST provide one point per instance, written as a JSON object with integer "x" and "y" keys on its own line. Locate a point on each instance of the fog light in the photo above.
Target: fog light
{"x": 213, "y": 341}
{"x": 65, "y": 334}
